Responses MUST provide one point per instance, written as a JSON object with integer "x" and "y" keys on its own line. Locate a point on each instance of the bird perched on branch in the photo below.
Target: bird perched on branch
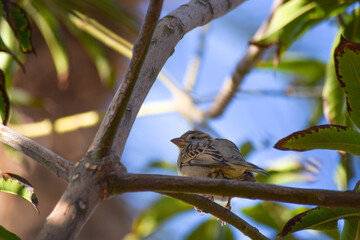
{"x": 203, "y": 156}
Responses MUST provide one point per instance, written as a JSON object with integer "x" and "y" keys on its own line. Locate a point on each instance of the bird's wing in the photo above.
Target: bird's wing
{"x": 205, "y": 156}
{"x": 234, "y": 158}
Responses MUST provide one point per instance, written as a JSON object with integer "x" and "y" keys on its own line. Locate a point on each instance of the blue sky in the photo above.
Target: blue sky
{"x": 255, "y": 118}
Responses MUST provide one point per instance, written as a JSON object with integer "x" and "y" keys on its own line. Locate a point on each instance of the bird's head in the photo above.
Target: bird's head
{"x": 192, "y": 136}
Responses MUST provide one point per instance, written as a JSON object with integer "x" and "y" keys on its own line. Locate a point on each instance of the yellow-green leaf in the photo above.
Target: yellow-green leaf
{"x": 295, "y": 17}
{"x": 14, "y": 184}
{"x": 320, "y": 218}
{"x": 322, "y": 137}
{"x": 347, "y": 65}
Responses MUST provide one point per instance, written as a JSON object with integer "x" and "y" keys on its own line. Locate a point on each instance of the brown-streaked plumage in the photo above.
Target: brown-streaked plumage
{"x": 203, "y": 156}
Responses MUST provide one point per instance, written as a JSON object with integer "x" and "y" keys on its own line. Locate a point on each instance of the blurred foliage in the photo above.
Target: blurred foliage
{"x": 155, "y": 216}
{"x": 212, "y": 230}
{"x": 53, "y": 19}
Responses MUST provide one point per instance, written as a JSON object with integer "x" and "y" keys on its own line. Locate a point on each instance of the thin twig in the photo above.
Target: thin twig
{"x": 55, "y": 163}
{"x": 222, "y": 213}
{"x": 104, "y": 139}
{"x": 247, "y": 63}
{"x": 175, "y": 184}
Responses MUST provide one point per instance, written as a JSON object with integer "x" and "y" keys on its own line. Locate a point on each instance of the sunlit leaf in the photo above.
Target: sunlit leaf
{"x": 322, "y": 137}
{"x": 7, "y": 235}
{"x": 157, "y": 214}
{"x": 20, "y": 24}
{"x": 318, "y": 218}
{"x": 4, "y": 48}
{"x": 4, "y": 100}
{"x": 108, "y": 9}
{"x": 14, "y": 184}
{"x": 294, "y": 18}
{"x": 211, "y": 230}
{"x": 50, "y": 30}
{"x": 311, "y": 71}
{"x": 347, "y": 65}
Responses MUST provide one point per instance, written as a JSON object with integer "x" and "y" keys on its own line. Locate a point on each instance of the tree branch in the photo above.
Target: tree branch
{"x": 247, "y": 63}
{"x": 105, "y": 137}
{"x": 168, "y": 32}
{"x": 56, "y": 164}
{"x": 222, "y": 213}
{"x": 175, "y": 184}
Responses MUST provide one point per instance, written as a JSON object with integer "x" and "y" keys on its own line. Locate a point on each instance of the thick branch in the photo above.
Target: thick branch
{"x": 246, "y": 64}
{"x": 56, "y": 164}
{"x": 105, "y": 136}
{"x": 168, "y": 32}
{"x": 175, "y": 184}
{"x": 218, "y": 211}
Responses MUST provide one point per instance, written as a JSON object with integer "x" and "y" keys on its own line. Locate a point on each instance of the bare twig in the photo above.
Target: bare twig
{"x": 222, "y": 213}
{"x": 175, "y": 184}
{"x": 56, "y": 164}
{"x": 247, "y": 63}
{"x": 104, "y": 139}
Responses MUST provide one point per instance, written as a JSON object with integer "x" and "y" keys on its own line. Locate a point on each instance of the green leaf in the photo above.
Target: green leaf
{"x": 50, "y": 30}
{"x": 271, "y": 214}
{"x": 333, "y": 96}
{"x": 322, "y": 137}
{"x": 246, "y": 148}
{"x": 157, "y": 214}
{"x": 311, "y": 71}
{"x": 351, "y": 30}
{"x": 320, "y": 218}
{"x": 294, "y": 18}
{"x": 351, "y": 229}
{"x": 7, "y": 235}
{"x": 347, "y": 65}
{"x": 211, "y": 230}
{"x": 20, "y": 24}
{"x": 4, "y": 100}
{"x": 4, "y": 48}
{"x": 14, "y": 184}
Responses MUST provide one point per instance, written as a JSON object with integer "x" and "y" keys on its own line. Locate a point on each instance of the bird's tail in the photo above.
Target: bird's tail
{"x": 253, "y": 168}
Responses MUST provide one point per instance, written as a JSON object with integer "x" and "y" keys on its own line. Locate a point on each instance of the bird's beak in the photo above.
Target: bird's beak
{"x": 178, "y": 142}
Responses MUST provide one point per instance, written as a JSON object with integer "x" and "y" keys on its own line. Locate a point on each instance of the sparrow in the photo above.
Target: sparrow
{"x": 203, "y": 156}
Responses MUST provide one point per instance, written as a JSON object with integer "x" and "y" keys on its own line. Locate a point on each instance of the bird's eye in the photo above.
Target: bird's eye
{"x": 193, "y": 137}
